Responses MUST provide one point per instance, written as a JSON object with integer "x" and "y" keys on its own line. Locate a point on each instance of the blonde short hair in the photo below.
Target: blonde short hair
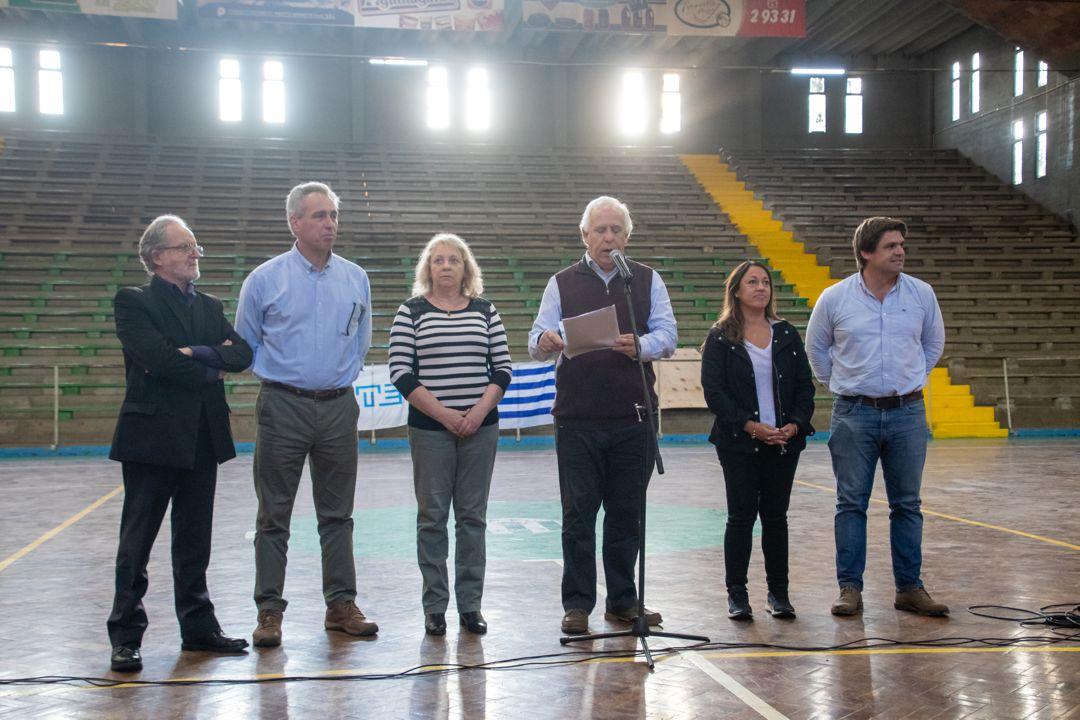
{"x": 472, "y": 285}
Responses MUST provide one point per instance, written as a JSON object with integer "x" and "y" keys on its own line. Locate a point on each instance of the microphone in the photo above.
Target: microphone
{"x": 620, "y": 262}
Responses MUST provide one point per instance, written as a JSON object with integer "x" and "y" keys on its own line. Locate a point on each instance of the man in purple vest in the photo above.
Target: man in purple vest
{"x": 600, "y": 439}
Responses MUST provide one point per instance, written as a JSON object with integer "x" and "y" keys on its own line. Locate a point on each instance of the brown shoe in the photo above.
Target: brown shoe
{"x": 347, "y": 618}
{"x": 919, "y": 601}
{"x": 575, "y": 622}
{"x": 628, "y": 615}
{"x": 849, "y": 602}
{"x": 268, "y": 633}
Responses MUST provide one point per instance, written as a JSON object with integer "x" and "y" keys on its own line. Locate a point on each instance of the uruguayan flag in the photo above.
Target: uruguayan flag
{"x": 530, "y": 397}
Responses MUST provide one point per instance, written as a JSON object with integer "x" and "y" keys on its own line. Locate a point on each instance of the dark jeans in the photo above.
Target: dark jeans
{"x": 601, "y": 467}
{"x": 757, "y": 484}
{"x": 148, "y": 489}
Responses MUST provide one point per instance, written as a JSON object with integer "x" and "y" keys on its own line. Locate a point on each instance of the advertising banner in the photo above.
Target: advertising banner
{"x": 717, "y": 18}
{"x": 155, "y": 9}
{"x": 396, "y": 14}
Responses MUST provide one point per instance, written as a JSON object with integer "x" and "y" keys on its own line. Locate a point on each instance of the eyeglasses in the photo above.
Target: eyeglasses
{"x": 187, "y": 249}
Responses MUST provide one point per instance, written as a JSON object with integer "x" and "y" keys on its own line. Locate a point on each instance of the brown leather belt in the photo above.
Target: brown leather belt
{"x": 884, "y": 403}
{"x": 309, "y": 394}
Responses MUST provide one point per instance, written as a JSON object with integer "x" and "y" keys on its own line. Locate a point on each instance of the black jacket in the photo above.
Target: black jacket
{"x": 167, "y": 391}
{"x": 727, "y": 377}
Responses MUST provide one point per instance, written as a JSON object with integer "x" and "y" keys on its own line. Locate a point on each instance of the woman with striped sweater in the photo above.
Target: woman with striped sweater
{"x": 450, "y": 361}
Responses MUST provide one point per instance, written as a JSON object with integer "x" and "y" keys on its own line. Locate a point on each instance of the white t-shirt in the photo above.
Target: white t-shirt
{"x": 763, "y": 379}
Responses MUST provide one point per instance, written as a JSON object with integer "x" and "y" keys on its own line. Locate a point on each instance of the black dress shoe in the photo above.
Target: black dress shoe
{"x": 474, "y": 622}
{"x": 738, "y": 605}
{"x": 125, "y": 659}
{"x": 435, "y": 623}
{"x": 779, "y": 606}
{"x": 214, "y": 642}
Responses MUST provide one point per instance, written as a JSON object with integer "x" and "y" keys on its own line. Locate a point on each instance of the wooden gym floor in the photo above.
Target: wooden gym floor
{"x": 1001, "y": 528}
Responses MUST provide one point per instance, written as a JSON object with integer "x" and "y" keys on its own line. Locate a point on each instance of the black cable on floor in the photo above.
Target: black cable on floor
{"x": 1059, "y": 618}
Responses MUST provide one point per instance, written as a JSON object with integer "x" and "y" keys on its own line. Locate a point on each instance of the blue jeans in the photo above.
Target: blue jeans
{"x": 860, "y": 436}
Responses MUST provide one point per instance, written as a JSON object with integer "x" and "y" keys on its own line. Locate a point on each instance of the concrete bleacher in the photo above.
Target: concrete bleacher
{"x": 1006, "y": 271}
{"x": 72, "y": 210}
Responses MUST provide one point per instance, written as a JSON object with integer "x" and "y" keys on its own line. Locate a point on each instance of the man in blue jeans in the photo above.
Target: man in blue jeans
{"x": 873, "y": 338}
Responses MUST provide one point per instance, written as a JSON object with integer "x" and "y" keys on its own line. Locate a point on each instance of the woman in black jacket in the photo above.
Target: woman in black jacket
{"x": 757, "y": 383}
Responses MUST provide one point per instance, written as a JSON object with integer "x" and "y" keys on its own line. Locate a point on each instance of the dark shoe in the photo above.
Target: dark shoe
{"x": 849, "y": 602}
{"x": 347, "y": 618}
{"x": 268, "y": 632}
{"x": 474, "y": 622}
{"x": 575, "y": 622}
{"x": 919, "y": 601}
{"x": 214, "y": 642}
{"x": 435, "y": 623}
{"x": 125, "y": 659}
{"x": 738, "y": 605}
{"x": 628, "y": 615}
{"x": 779, "y": 606}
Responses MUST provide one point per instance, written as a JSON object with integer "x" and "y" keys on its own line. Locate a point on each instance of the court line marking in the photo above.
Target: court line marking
{"x": 956, "y": 518}
{"x": 730, "y": 684}
{"x": 946, "y": 516}
{"x": 6, "y": 562}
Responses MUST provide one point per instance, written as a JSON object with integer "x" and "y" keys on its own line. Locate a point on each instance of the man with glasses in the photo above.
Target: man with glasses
{"x": 307, "y": 315}
{"x": 172, "y": 433}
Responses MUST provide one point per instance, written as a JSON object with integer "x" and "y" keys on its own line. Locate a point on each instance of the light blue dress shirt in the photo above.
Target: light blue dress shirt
{"x": 858, "y": 345}
{"x": 658, "y": 343}
{"x": 309, "y": 328}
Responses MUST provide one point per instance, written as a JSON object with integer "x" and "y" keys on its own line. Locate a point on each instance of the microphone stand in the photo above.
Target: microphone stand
{"x": 640, "y": 627}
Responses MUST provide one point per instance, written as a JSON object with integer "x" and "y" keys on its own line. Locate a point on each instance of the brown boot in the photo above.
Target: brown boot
{"x": 919, "y": 601}
{"x": 345, "y": 617}
{"x": 268, "y": 633}
{"x": 849, "y": 602}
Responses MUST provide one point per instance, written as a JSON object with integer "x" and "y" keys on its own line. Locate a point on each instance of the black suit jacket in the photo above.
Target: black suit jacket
{"x": 167, "y": 391}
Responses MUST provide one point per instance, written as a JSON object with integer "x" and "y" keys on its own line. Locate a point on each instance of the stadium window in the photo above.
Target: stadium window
{"x": 50, "y": 83}
{"x": 438, "y": 98}
{"x": 632, "y": 106}
{"x": 7, "y": 81}
{"x": 1040, "y": 144}
{"x": 1043, "y": 75}
{"x": 1018, "y": 152}
{"x": 816, "y": 105}
{"x": 955, "y": 91}
{"x": 975, "y": 83}
{"x": 853, "y": 107}
{"x": 670, "y": 105}
{"x": 1018, "y": 74}
{"x": 477, "y": 100}
{"x": 230, "y": 100}
{"x": 273, "y": 92}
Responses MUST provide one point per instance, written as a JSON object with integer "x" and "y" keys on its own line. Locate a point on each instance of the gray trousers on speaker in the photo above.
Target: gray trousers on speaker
{"x": 292, "y": 429}
{"x": 448, "y": 470}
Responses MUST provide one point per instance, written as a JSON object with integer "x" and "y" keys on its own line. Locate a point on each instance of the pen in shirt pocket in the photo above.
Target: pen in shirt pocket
{"x": 349, "y": 321}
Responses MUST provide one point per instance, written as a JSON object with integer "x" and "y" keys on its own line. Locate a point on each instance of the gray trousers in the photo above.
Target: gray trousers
{"x": 292, "y": 429}
{"x": 450, "y": 470}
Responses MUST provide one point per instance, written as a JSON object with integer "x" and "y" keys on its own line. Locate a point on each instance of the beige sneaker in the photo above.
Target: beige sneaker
{"x": 849, "y": 602}
{"x": 347, "y": 618}
{"x": 268, "y": 633}
{"x": 919, "y": 601}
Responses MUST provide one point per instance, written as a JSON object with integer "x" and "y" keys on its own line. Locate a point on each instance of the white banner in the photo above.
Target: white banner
{"x": 527, "y": 402}
{"x": 381, "y": 405}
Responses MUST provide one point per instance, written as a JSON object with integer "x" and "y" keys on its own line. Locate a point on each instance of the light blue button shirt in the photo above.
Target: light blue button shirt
{"x": 309, "y": 328}
{"x": 658, "y": 343}
{"x": 858, "y": 345}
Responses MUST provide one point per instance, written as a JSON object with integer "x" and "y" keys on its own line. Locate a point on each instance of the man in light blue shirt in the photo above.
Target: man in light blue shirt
{"x": 600, "y": 441}
{"x": 873, "y": 338}
{"x": 307, "y": 316}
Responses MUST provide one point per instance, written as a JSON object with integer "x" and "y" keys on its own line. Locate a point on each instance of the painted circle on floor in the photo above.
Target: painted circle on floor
{"x": 517, "y": 531}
